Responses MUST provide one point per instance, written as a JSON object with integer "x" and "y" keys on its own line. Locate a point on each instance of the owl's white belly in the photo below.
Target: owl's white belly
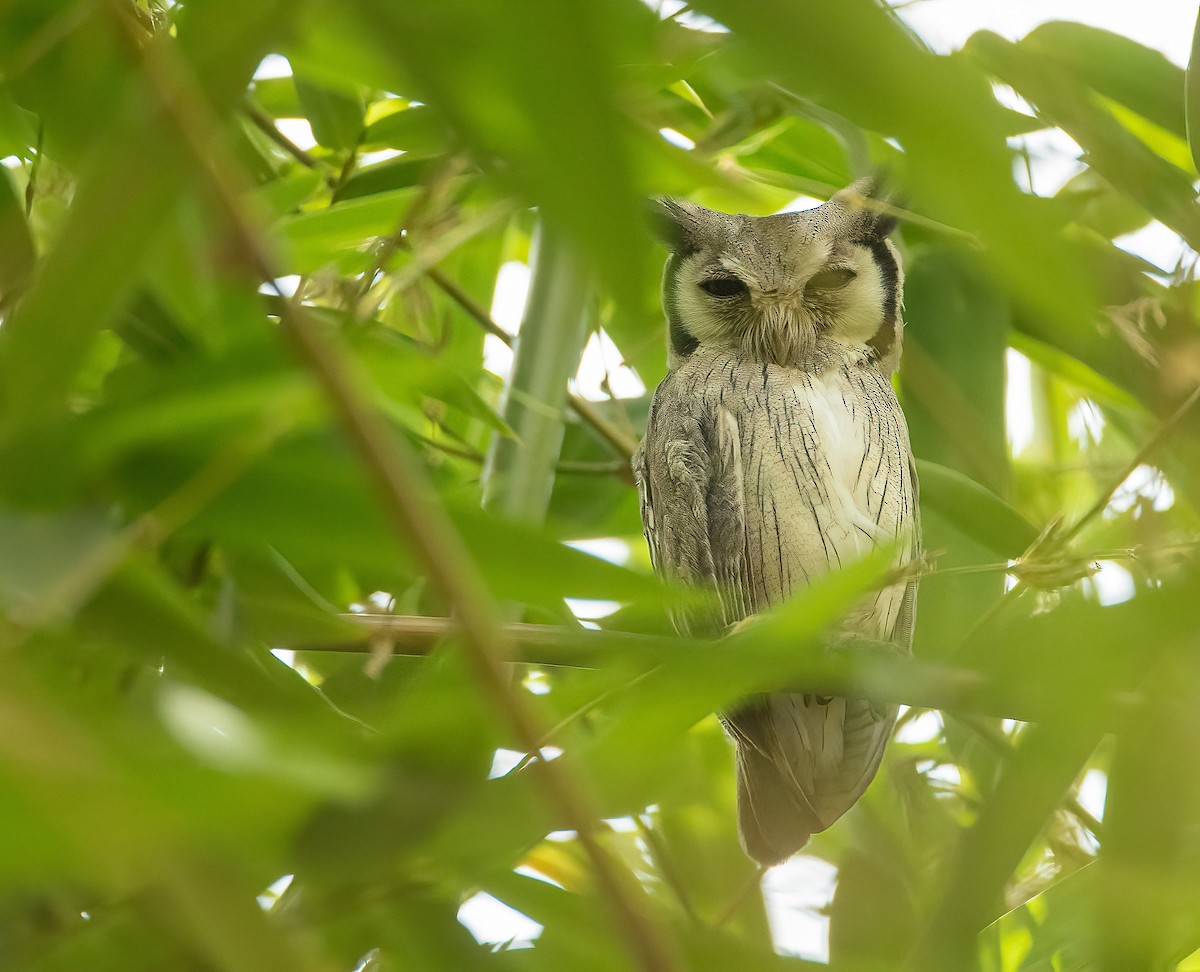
{"x": 827, "y": 460}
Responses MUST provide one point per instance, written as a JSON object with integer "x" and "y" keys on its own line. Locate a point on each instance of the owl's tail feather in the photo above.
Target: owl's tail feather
{"x": 774, "y": 818}
{"x": 771, "y": 826}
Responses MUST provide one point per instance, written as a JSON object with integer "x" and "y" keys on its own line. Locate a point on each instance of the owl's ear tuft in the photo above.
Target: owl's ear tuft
{"x": 677, "y": 223}
{"x": 882, "y": 224}
{"x": 858, "y": 198}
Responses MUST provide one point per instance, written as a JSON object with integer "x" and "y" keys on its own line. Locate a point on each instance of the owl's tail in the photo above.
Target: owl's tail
{"x": 772, "y": 824}
{"x": 802, "y": 762}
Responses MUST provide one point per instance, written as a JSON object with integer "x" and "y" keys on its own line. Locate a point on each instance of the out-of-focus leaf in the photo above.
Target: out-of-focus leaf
{"x": 1149, "y": 893}
{"x": 283, "y": 195}
{"x": 1101, "y": 207}
{"x": 18, "y": 127}
{"x": 401, "y": 173}
{"x": 336, "y": 116}
{"x": 1140, "y": 78}
{"x": 416, "y": 131}
{"x": 116, "y": 213}
{"x": 39, "y": 556}
{"x": 17, "y": 254}
{"x": 277, "y": 97}
{"x": 953, "y": 369}
{"x": 1118, "y": 155}
{"x": 325, "y": 236}
{"x": 1192, "y": 99}
{"x": 975, "y": 510}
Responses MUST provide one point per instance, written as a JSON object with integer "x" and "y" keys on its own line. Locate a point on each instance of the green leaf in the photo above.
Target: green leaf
{"x": 17, "y": 253}
{"x": 45, "y": 557}
{"x": 1192, "y": 99}
{"x": 975, "y": 510}
{"x": 1117, "y": 154}
{"x": 277, "y": 97}
{"x": 1140, "y": 78}
{"x": 416, "y": 131}
{"x": 326, "y": 236}
{"x": 336, "y": 115}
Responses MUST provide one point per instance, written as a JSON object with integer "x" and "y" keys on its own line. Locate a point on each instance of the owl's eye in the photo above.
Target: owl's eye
{"x": 723, "y": 286}
{"x": 831, "y": 278}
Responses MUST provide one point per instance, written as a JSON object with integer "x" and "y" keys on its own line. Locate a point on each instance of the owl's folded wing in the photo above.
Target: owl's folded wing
{"x": 689, "y": 477}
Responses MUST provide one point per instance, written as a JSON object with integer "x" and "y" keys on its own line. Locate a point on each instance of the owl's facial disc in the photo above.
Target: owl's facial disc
{"x": 774, "y": 287}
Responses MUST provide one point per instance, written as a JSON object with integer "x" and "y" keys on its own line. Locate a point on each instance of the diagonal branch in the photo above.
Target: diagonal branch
{"x": 416, "y": 515}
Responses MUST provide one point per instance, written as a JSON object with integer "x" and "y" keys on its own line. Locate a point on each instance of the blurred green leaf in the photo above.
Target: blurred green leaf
{"x": 336, "y": 116}
{"x": 337, "y": 233}
{"x": 1118, "y": 155}
{"x": 1138, "y": 77}
{"x": 975, "y": 510}
{"x": 1192, "y": 99}
{"x": 17, "y": 254}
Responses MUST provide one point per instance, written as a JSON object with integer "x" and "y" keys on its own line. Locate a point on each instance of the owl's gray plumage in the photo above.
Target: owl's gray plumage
{"x": 776, "y": 451}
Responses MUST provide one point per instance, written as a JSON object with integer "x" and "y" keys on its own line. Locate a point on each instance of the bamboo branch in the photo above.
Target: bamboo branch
{"x": 859, "y": 668}
{"x": 264, "y": 124}
{"x": 518, "y": 476}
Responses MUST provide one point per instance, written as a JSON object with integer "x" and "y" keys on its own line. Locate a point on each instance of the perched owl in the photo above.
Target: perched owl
{"x": 776, "y": 451}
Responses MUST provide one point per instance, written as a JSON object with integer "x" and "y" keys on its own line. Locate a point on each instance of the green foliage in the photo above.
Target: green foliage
{"x": 199, "y": 465}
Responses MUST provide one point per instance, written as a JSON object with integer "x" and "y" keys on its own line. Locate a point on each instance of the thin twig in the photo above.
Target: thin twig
{"x": 740, "y": 897}
{"x": 621, "y": 442}
{"x": 464, "y": 301}
{"x": 264, "y": 124}
{"x": 1139, "y": 458}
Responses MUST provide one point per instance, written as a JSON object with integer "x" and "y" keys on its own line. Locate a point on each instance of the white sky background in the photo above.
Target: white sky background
{"x": 797, "y": 891}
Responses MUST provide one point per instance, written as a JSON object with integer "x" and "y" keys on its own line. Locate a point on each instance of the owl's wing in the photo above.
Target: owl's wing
{"x": 688, "y": 471}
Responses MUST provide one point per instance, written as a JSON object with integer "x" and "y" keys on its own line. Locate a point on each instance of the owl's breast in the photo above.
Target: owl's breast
{"x": 826, "y": 468}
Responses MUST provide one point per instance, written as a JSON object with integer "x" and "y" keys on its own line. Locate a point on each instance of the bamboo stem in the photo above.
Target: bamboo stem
{"x": 518, "y": 476}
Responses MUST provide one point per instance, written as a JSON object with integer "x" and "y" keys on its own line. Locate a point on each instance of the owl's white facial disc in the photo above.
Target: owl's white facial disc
{"x": 775, "y": 287}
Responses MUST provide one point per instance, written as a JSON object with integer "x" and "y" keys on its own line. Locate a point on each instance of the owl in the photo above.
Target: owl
{"x": 775, "y": 452}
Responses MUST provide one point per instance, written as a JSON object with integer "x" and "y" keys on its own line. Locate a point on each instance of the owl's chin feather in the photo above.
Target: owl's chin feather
{"x": 790, "y": 343}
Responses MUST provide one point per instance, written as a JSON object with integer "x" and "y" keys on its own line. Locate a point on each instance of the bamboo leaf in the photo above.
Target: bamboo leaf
{"x": 1192, "y": 98}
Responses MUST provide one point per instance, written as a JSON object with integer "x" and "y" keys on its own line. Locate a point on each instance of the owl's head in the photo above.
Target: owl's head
{"x": 788, "y": 289}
